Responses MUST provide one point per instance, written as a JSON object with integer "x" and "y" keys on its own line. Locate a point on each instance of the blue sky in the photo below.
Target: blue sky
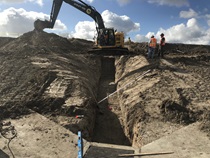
{"x": 182, "y": 21}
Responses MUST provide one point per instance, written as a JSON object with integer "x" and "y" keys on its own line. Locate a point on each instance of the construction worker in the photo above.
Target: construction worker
{"x": 129, "y": 40}
{"x": 152, "y": 46}
{"x": 106, "y": 37}
{"x": 162, "y": 46}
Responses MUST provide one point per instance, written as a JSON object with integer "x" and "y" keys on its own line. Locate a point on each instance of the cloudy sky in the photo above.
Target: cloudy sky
{"x": 182, "y": 21}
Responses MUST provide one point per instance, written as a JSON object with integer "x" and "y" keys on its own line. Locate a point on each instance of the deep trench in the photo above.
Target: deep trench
{"x": 108, "y": 128}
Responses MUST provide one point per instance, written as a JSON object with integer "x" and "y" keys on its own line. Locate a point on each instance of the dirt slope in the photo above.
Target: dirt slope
{"x": 44, "y": 72}
{"x": 173, "y": 94}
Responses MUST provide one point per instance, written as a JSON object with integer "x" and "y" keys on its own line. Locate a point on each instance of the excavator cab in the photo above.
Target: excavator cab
{"x": 106, "y": 37}
{"x": 109, "y": 42}
{"x": 109, "y": 37}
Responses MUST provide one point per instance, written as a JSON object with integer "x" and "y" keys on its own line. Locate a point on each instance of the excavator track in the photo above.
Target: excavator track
{"x": 110, "y": 51}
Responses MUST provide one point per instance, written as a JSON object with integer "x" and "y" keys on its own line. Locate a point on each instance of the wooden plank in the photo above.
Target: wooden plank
{"x": 145, "y": 154}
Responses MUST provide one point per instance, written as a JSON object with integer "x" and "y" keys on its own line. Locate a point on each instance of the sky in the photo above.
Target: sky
{"x": 182, "y": 21}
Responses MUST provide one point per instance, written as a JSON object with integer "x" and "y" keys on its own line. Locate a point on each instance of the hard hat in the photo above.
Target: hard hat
{"x": 161, "y": 34}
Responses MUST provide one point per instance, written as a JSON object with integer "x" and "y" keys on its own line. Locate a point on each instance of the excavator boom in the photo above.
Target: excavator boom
{"x": 107, "y": 38}
{"x": 85, "y": 8}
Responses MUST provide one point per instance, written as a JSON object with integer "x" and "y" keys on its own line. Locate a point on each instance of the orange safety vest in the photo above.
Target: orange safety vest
{"x": 153, "y": 42}
{"x": 162, "y": 42}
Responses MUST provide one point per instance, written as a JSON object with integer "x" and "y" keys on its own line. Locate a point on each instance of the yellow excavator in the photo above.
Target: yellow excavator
{"x": 108, "y": 41}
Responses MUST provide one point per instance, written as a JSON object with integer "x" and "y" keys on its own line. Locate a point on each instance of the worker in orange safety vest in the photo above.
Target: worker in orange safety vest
{"x": 152, "y": 47}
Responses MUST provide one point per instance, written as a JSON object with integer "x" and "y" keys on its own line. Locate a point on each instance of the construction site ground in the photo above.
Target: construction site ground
{"x": 51, "y": 88}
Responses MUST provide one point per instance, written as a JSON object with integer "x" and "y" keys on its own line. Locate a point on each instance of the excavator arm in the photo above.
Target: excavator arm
{"x": 107, "y": 39}
{"x": 80, "y": 5}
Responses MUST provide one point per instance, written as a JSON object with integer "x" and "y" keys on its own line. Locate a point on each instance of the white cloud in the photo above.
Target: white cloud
{"x": 208, "y": 22}
{"x": 141, "y": 38}
{"x": 12, "y": 1}
{"x": 90, "y": 1}
{"x": 86, "y": 29}
{"x": 121, "y": 23}
{"x": 207, "y": 15}
{"x": 189, "y": 33}
{"x": 15, "y": 22}
{"x": 208, "y": 19}
{"x": 188, "y": 14}
{"x": 177, "y": 3}
{"x": 39, "y": 2}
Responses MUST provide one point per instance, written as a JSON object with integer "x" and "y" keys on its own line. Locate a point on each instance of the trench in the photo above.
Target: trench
{"x": 108, "y": 127}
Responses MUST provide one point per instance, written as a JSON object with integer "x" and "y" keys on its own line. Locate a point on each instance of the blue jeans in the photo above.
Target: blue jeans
{"x": 151, "y": 52}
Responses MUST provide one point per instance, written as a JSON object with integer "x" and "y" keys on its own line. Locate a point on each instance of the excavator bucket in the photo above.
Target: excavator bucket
{"x": 40, "y": 25}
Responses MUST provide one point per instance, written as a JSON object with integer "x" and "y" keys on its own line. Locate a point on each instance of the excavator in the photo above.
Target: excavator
{"x": 108, "y": 41}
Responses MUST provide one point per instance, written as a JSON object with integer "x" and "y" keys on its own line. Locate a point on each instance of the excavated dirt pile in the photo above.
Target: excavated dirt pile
{"x": 160, "y": 96}
{"x": 55, "y": 77}
{"x": 48, "y": 74}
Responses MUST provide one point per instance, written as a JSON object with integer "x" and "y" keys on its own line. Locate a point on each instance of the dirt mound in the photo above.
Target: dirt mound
{"x": 48, "y": 74}
{"x": 45, "y": 41}
{"x": 5, "y": 40}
